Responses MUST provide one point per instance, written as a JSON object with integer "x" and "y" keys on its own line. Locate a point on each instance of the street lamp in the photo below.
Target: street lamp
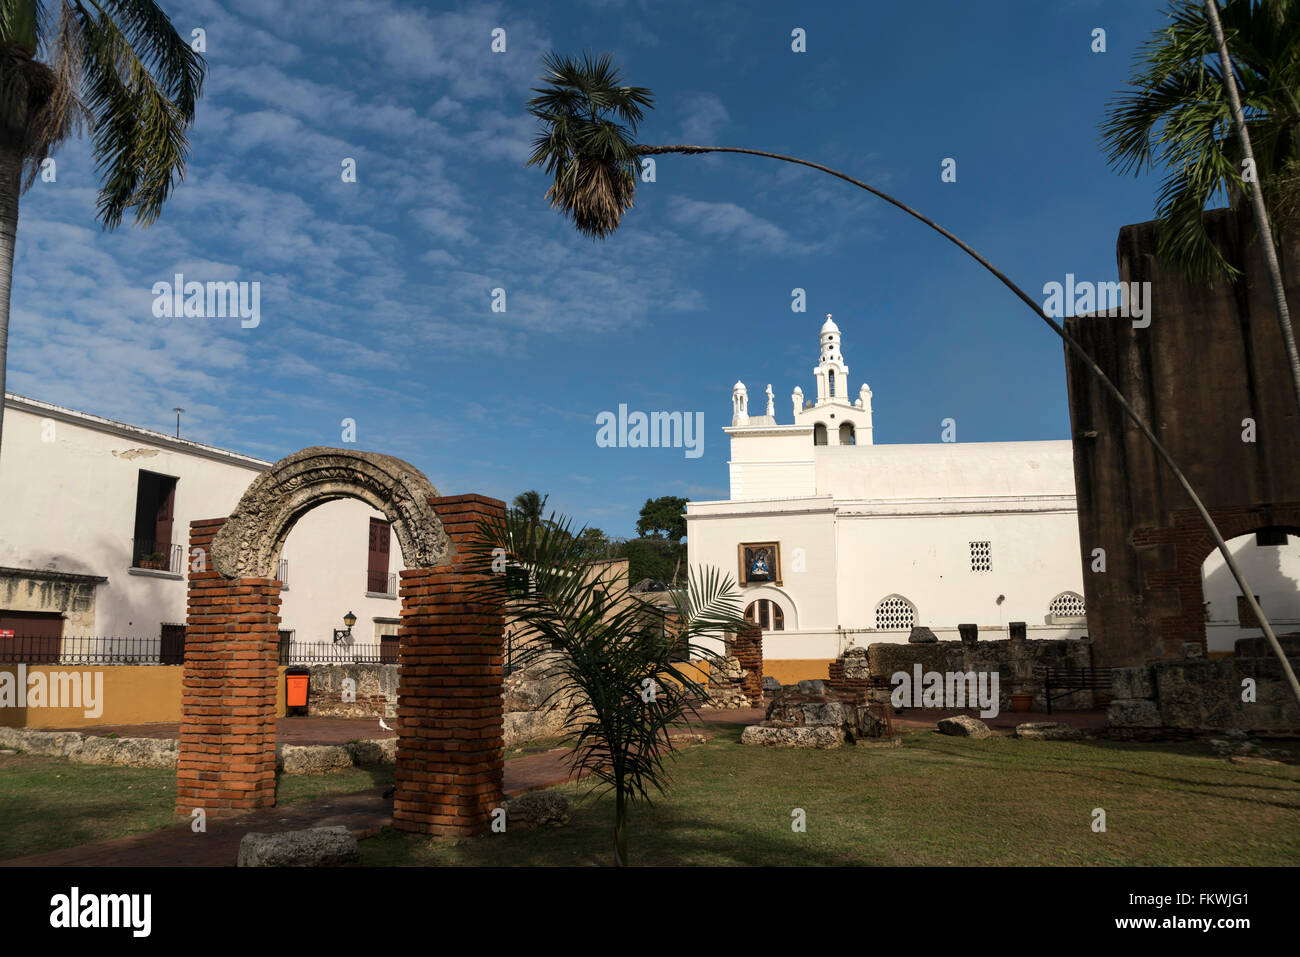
{"x": 341, "y": 633}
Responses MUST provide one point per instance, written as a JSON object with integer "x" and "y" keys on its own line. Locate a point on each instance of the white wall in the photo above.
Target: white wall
{"x": 69, "y": 505}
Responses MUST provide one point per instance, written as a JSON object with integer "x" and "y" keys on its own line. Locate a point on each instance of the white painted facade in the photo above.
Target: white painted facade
{"x": 971, "y": 532}
{"x": 68, "y": 500}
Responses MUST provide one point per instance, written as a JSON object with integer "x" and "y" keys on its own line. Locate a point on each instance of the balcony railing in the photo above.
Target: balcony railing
{"x": 158, "y": 556}
{"x": 381, "y": 583}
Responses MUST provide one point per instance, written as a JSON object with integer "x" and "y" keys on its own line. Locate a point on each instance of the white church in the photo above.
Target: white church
{"x": 835, "y": 540}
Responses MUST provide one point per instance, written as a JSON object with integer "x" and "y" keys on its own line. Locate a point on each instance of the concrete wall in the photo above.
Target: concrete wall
{"x": 1209, "y": 359}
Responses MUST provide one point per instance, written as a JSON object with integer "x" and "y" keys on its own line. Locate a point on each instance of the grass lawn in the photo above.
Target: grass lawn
{"x": 935, "y": 800}
{"x": 49, "y": 803}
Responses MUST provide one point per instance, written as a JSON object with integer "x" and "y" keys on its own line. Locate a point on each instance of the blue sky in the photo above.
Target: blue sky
{"x": 376, "y": 295}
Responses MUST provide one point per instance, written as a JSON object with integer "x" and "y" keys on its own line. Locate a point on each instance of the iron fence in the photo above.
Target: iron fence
{"x": 324, "y": 652}
{"x": 91, "y": 650}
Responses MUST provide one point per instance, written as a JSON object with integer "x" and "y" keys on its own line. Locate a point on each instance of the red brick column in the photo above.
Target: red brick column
{"x": 450, "y": 756}
{"x": 227, "y": 734}
{"x": 747, "y": 647}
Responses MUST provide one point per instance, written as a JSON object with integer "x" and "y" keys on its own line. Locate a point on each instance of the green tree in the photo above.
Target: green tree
{"x": 1176, "y": 115}
{"x": 620, "y": 688}
{"x": 116, "y": 66}
{"x": 587, "y": 142}
{"x": 665, "y": 518}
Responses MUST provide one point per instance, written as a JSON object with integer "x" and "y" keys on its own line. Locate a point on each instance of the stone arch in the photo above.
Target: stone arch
{"x": 449, "y": 773}
{"x": 251, "y": 539}
{"x": 1170, "y": 559}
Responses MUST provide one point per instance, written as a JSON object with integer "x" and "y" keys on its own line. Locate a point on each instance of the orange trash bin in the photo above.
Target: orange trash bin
{"x": 296, "y": 684}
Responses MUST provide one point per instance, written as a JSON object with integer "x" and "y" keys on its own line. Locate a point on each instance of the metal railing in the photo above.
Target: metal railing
{"x": 324, "y": 652}
{"x": 159, "y": 556}
{"x": 91, "y": 650}
{"x": 381, "y": 583}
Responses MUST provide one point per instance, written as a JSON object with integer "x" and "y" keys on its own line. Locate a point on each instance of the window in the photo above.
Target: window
{"x": 1270, "y": 536}
{"x": 847, "y": 435}
{"x": 981, "y": 556}
{"x": 155, "y": 503}
{"x": 895, "y": 613}
{"x": 1067, "y": 604}
{"x": 831, "y": 380}
{"x": 766, "y": 614}
{"x": 377, "y": 579}
{"x": 819, "y": 434}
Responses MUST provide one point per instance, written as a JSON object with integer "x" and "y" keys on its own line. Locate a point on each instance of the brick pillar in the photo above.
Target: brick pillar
{"x": 227, "y": 735}
{"x": 450, "y": 750}
{"x": 747, "y": 647}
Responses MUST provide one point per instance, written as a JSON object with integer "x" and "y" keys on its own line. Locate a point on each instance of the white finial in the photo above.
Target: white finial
{"x": 771, "y": 409}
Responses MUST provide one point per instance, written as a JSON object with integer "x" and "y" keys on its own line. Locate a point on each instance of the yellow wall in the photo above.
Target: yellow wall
{"x": 790, "y": 670}
{"x": 132, "y": 694}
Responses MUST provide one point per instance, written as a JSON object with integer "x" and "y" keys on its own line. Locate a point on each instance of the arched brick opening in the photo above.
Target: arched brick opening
{"x": 1170, "y": 559}
{"x": 449, "y": 713}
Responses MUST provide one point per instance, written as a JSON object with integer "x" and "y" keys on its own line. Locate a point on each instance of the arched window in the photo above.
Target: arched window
{"x": 847, "y": 435}
{"x": 819, "y": 434}
{"x": 766, "y": 614}
{"x": 895, "y": 613}
{"x": 831, "y": 380}
{"x": 1067, "y": 604}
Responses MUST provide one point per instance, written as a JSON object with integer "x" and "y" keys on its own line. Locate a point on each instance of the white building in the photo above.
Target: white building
{"x": 836, "y": 540}
{"x": 94, "y": 531}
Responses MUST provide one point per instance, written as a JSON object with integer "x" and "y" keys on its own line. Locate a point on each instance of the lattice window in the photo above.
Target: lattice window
{"x": 981, "y": 556}
{"x": 766, "y": 614}
{"x": 895, "y": 614}
{"x": 1067, "y": 604}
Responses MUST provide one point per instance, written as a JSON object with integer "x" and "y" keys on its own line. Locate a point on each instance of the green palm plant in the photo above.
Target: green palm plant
{"x": 621, "y": 684}
{"x": 575, "y": 143}
{"x": 1177, "y": 115}
{"x": 115, "y": 66}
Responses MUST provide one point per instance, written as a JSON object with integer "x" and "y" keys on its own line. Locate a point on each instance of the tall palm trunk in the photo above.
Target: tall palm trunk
{"x": 1262, "y": 225}
{"x": 1070, "y": 342}
{"x": 11, "y": 169}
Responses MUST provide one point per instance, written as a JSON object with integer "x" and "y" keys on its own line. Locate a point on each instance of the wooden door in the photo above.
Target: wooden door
{"x": 33, "y": 637}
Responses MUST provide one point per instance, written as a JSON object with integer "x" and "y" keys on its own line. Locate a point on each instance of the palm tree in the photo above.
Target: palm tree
{"x": 584, "y": 107}
{"x": 1207, "y": 123}
{"x": 621, "y": 686}
{"x": 531, "y": 505}
{"x": 117, "y": 66}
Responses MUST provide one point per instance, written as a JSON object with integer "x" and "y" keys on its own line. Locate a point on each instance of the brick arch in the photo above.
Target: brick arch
{"x": 450, "y": 763}
{"x": 1171, "y": 559}
{"x": 251, "y": 539}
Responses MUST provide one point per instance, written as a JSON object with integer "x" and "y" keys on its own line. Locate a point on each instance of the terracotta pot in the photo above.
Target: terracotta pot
{"x": 1022, "y": 703}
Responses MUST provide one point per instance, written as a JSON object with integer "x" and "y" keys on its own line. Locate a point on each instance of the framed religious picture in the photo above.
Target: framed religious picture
{"x": 760, "y": 562}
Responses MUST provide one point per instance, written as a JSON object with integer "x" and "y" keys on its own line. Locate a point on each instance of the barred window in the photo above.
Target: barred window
{"x": 895, "y": 613}
{"x": 981, "y": 556}
{"x": 1067, "y": 604}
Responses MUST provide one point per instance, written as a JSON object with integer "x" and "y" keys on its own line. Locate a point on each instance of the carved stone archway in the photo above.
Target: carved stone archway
{"x": 449, "y": 710}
